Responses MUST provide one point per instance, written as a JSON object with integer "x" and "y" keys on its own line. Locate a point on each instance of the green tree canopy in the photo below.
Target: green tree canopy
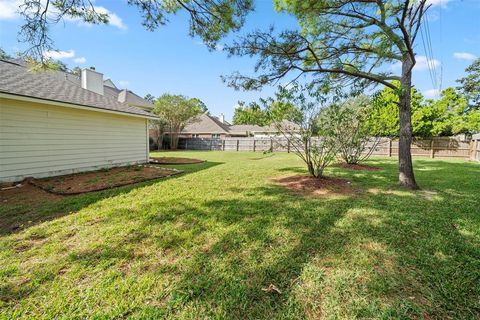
{"x": 250, "y": 113}
{"x": 470, "y": 84}
{"x": 177, "y": 111}
{"x": 384, "y": 113}
{"x": 446, "y": 116}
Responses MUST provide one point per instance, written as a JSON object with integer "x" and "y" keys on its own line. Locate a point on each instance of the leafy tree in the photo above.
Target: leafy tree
{"x": 202, "y": 105}
{"x": 470, "y": 84}
{"x": 308, "y": 140}
{"x": 340, "y": 42}
{"x": 160, "y": 127}
{"x": 347, "y": 123}
{"x": 150, "y": 98}
{"x": 249, "y": 114}
{"x": 177, "y": 111}
{"x": 4, "y": 55}
{"x": 279, "y": 110}
{"x": 384, "y": 117}
{"x": 451, "y": 114}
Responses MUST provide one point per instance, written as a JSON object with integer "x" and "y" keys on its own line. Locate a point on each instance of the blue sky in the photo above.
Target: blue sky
{"x": 169, "y": 61}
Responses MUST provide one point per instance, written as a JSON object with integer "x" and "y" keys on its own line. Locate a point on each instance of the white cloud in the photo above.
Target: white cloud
{"x": 432, "y": 93}
{"x": 8, "y": 9}
{"x": 113, "y": 19}
{"x": 80, "y": 60}
{"x": 464, "y": 56}
{"x": 424, "y": 64}
{"x": 59, "y": 55}
{"x": 441, "y": 3}
{"x": 124, "y": 83}
{"x": 420, "y": 65}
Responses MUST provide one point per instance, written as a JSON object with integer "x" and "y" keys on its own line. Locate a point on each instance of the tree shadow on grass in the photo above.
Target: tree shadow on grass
{"x": 409, "y": 264}
{"x": 396, "y": 255}
{"x": 15, "y": 216}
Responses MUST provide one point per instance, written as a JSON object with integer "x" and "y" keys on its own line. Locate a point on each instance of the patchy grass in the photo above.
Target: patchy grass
{"x": 212, "y": 242}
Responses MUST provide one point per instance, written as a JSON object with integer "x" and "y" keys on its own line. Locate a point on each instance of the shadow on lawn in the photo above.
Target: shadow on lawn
{"x": 374, "y": 256}
{"x": 404, "y": 252}
{"x": 409, "y": 262}
{"x": 18, "y": 216}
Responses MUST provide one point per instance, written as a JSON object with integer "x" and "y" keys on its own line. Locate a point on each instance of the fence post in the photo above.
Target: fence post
{"x": 254, "y": 144}
{"x": 186, "y": 144}
{"x": 475, "y": 157}
{"x": 390, "y": 147}
{"x": 223, "y": 144}
{"x": 432, "y": 152}
{"x": 474, "y": 149}
{"x": 288, "y": 146}
{"x": 237, "y": 143}
{"x": 271, "y": 144}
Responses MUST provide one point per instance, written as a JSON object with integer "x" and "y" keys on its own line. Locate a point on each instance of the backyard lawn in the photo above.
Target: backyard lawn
{"x": 225, "y": 240}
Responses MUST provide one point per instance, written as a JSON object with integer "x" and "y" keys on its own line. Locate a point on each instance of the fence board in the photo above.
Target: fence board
{"x": 439, "y": 147}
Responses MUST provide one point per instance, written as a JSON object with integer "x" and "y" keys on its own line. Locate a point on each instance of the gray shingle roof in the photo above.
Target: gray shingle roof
{"x": 206, "y": 124}
{"x": 18, "y": 80}
{"x": 244, "y": 128}
{"x": 211, "y": 124}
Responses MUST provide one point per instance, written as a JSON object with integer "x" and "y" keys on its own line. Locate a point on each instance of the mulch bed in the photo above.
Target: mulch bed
{"x": 174, "y": 160}
{"x": 102, "y": 179}
{"x": 306, "y": 185}
{"x": 358, "y": 167}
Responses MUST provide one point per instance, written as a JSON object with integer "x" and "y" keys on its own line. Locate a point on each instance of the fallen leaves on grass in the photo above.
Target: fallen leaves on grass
{"x": 271, "y": 289}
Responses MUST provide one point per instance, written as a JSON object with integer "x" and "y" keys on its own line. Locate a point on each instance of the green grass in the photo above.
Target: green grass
{"x": 204, "y": 244}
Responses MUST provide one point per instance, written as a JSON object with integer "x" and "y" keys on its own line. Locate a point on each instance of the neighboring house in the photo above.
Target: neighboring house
{"x": 54, "y": 123}
{"x": 208, "y": 126}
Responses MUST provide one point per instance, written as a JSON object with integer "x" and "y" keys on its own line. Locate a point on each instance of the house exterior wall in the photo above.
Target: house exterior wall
{"x": 42, "y": 140}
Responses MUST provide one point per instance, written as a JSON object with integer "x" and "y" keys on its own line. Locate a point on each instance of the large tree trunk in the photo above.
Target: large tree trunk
{"x": 406, "y": 175}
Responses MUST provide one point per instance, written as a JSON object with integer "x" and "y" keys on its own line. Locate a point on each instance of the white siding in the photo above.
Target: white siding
{"x": 42, "y": 140}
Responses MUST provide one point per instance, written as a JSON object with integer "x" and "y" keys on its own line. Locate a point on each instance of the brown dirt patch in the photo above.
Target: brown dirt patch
{"x": 100, "y": 180}
{"x": 26, "y": 194}
{"x": 358, "y": 167}
{"x": 306, "y": 185}
{"x": 174, "y": 160}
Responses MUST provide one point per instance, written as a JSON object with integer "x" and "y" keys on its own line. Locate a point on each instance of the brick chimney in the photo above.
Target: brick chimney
{"x": 92, "y": 80}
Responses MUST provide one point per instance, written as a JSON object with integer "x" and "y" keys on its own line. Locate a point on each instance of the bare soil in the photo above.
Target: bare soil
{"x": 100, "y": 180}
{"x": 358, "y": 167}
{"x": 26, "y": 194}
{"x": 310, "y": 186}
{"x": 174, "y": 160}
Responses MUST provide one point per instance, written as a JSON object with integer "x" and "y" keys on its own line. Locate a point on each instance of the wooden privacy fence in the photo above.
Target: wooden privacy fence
{"x": 438, "y": 147}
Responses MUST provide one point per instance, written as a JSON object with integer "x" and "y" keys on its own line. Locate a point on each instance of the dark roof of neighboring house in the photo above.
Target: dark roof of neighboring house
{"x": 206, "y": 123}
{"x": 211, "y": 124}
{"x": 244, "y": 128}
{"x": 16, "y": 79}
{"x": 285, "y": 125}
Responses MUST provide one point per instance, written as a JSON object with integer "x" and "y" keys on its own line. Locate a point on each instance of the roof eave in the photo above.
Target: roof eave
{"x": 7, "y": 95}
